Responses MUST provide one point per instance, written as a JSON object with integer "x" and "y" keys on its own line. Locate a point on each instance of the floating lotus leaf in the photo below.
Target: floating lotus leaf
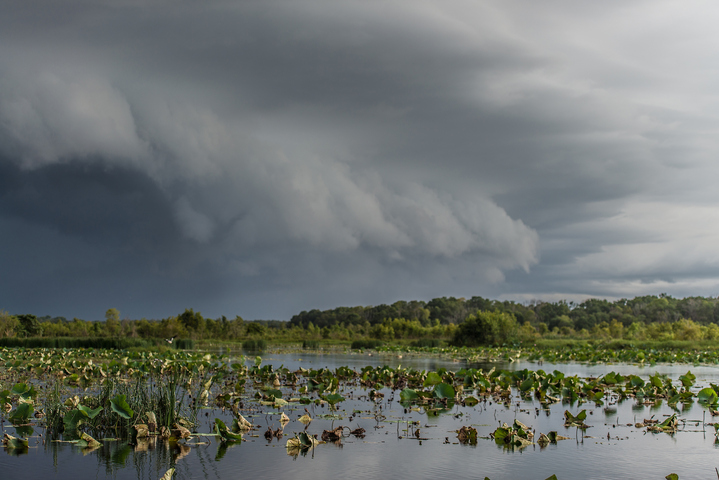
{"x": 408, "y": 395}
{"x": 24, "y": 391}
{"x": 500, "y": 434}
{"x": 72, "y": 420}
{"x": 90, "y": 413}
{"x": 707, "y": 396}
{"x": 14, "y": 443}
{"x": 526, "y": 385}
{"x": 24, "y": 430}
{"x": 687, "y": 379}
{"x": 656, "y": 381}
{"x": 433, "y": 378}
{"x": 225, "y": 433}
{"x": 308, "y": 440}
{"x": 333, "y": 398}
{"x": 22, "y": 413}
{"x": 575, "y": 421}
{"x": 669, "y": 425}
{"x": 470, "y": 401}
{"x": 241, "y": 424}
{"x": 284, "y": 418}
{"x": 444, "y": 390}
{"x": 87, "y": 441}
{"x": 305, "y": 419}
{"x": 120, "y": 406}
{"x": 271, "y": 392}
{"x": 609, "y": 379}
{"x": 554, "y": 437}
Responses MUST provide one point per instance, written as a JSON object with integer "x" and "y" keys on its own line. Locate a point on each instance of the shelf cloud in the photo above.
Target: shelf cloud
{"x": 263, "y": 158}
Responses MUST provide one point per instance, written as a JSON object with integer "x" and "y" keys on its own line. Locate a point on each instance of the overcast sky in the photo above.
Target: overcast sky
{"x": 260, "y": 158}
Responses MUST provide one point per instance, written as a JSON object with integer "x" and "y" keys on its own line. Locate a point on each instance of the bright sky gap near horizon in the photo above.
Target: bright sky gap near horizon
{"x": 260, "y": 158}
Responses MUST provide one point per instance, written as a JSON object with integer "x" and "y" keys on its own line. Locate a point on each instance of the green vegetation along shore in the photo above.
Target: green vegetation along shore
{"x": 442, "y": 321}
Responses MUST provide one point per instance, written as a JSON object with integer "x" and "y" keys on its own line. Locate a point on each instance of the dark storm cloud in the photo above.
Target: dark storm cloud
{"x": 266, "y": 157}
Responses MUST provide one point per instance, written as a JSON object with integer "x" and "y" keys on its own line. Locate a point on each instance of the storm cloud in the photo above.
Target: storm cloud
{"x": 262, "y": 158}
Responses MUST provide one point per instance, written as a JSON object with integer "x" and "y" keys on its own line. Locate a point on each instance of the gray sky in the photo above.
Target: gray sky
{"x": 266, "y": 157}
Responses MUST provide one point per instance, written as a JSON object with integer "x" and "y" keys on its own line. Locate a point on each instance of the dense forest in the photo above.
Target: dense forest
{"x": 457, "y": 320}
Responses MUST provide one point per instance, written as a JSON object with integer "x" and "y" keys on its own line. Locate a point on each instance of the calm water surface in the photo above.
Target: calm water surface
{"x": 612, "y": 448}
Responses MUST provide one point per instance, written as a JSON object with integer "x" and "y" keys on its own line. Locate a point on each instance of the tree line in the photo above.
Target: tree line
{"x": 459, "y": 320}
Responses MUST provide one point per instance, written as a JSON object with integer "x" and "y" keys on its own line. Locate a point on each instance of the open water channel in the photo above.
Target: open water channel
{"x": 611, "y": 448}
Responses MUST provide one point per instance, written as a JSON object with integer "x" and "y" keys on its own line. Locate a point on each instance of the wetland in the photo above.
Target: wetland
{"x": 221, "y": 413}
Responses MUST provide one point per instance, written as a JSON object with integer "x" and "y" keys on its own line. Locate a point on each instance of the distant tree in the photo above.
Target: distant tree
{"x": 8, "y": 324}
{"x": 549, "y": 313}
{"x": 29, "y": 326}
{"x": 254, "y": 328}
{"x": 486, "y": 328}
{"x": 234, "y": 328}
{"x": 192, "y": 321}
{"x": 112, "y": 314}
{"x": 448, "y": 309}
{"x": 112, "y": 322}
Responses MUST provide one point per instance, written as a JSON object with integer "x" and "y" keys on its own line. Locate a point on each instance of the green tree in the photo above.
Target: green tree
{"x": 254, "y": 328}
{"x": 29, "y": 326}
{"x": 8, "y": 324}
{"x": 193, "y": 321}
{"x": 112, "y": 322}
{"x": 486, "y": 328}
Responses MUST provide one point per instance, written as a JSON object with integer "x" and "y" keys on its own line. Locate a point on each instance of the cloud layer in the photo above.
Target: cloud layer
{"x": 264, "y": 158}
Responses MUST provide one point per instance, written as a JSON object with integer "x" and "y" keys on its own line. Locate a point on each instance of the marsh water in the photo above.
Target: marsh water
{"x": 401, "y": 443}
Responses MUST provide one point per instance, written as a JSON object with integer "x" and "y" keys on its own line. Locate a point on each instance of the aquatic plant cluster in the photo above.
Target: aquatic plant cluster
{"x": 639, "y": 353}
{"x": 87, "y": 397}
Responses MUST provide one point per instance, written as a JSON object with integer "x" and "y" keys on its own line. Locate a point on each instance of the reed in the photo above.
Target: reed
{"x": 254, "y": 345}
{"x": 311, "y": 344}
{"x": 365, "y": 344}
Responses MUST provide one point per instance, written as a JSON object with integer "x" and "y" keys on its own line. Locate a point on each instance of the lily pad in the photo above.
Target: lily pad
{"x": 90, "y": 413}
{"x": 433, "y": 378}
{"x": 225, "y": 433}
{"x": 444, "y": 390}
{"x": 87, "y": 441}
{"x": 707, "y": 396}
{"x": 14, "y": 443}
{"x": 333, "y": 398}
{"x": 408, "y": 395}
{"x": 22, "y": 413}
